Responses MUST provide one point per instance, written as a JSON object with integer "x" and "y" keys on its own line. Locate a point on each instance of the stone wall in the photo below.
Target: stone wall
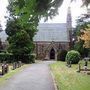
{"x": 43, "y": 49}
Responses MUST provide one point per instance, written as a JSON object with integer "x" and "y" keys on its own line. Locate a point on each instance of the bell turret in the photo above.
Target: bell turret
{"x": 69, "y": 19}
{"x": 69, "y": 26}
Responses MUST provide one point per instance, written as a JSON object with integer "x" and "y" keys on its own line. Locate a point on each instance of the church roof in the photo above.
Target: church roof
{"x": 52, "y": 32}
{"x": 47, "y": 32}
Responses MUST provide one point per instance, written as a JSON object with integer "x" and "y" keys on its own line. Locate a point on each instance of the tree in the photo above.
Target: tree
{"x": 23, "y": 21}
{"x": 86, "y": 37}
{"x": 20, "y": 44}
{"x": 13, "y": 26}
{"x": 31, "y": 11}
{"x": 28, "y": 10}
{"x": 34, "y": 9}
{"x": 79, "y": 47}
{"x": 82, "y": 28}
{"x": 26, "y": 15}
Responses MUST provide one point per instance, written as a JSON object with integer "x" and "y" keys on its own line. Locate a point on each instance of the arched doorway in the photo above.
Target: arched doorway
{"x": 52, "y": 54}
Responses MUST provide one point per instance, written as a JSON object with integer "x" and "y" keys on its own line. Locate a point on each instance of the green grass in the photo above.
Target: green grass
{"x": 68, "y": 79}
{"x": 11, "y": 73}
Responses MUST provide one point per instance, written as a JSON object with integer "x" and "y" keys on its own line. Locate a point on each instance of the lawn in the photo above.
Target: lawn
{"x": 68, "y": 79}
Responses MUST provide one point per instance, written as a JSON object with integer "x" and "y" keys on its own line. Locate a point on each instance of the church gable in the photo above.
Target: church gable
{"x": 50, "y": 46}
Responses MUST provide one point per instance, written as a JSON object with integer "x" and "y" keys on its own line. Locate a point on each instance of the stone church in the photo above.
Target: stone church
{"x": 53, "y": 37}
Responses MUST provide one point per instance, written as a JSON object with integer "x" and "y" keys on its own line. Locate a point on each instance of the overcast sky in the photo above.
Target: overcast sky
{"x": 61, "y": 18}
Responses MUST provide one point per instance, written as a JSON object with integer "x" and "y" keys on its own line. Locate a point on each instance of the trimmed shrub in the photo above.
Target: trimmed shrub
{"x": 26, "y": 58}
{"x": 62, "y": 55}
{"x": 8, "y": 57}
{"x": 73, "y": 56}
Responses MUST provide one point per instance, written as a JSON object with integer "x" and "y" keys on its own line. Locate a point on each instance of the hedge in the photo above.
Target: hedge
{"x": 8, "y": 57}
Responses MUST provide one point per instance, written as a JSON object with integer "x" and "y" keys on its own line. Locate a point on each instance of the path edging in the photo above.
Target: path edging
{"x": 53, "y": 79}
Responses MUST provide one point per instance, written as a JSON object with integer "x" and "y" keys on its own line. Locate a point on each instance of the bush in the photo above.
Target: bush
{"x": 62, "y": 55}
{"x": 8, "y": 57}
{"x": 73, "y": 56}
{"x": 26, "y": 58}
{"x": 32, "y": 58}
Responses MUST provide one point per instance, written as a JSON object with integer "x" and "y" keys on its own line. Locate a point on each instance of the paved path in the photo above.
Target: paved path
{"x": 35, "y": 77}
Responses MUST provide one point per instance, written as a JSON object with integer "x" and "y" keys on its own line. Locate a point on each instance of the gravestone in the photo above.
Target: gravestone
{"x": 79, "y": 67}
{"x": 14, "y": 65}
{"x": 5, "y": 68}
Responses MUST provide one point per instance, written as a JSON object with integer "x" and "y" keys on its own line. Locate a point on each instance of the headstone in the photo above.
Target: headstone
{"x": 79, "y": 67}
{"x": 20, "y": 63}
{"x": 14, "y": 65}
{"x": 5, "y": 68}
{"x": 70, "y": 63}
{"x": 86, "y": 63}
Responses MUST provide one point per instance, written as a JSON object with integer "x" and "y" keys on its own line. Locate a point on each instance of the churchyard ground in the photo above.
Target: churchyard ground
{"x": 37, "y": 76}
{"x": 4, "y": 78}
{"x": 68, "y": 78}
{"x": 65, "y": 78}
